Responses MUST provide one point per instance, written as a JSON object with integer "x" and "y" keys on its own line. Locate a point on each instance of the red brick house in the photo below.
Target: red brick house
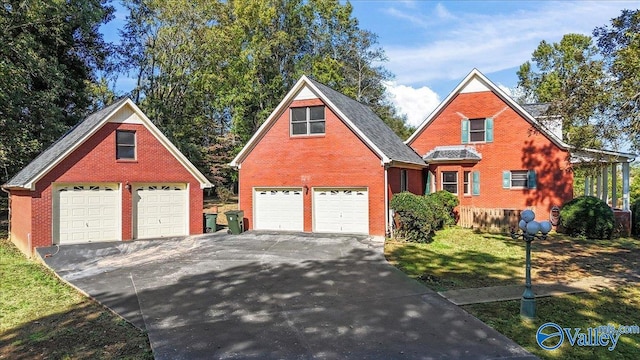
{"x": 494, "y": 153}
{"x": 114, "y": 176}
{"x": 323, "y": 162}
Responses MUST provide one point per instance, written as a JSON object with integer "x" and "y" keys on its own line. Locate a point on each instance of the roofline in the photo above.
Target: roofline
{"x": 628, "y": 156}
{"x": 275, "y": 114}
{"x": 204, "y": 183}
{"x": 506, "y": 98}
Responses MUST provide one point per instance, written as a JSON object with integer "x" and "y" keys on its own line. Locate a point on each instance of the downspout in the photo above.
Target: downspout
{"x": 386, "y": 202}
{"x": 8, "y": 211}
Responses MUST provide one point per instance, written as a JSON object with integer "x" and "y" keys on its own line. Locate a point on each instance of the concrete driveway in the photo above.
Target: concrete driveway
{"x": 275, "y": 296}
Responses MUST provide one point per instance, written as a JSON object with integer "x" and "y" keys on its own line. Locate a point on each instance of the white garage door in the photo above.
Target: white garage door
{"x": 341, "y": 210}
{"x": 86, "y": 213}
{"x": 278, "y": 209}
{"x": 160, "y": 210}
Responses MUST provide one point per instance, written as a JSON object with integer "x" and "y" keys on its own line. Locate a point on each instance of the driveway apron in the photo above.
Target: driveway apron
{"x": 275, "y": 296}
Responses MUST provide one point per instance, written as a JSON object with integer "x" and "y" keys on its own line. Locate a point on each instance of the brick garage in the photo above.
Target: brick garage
{"x": 336, "y": 180}
{"x": 83, "y": 165}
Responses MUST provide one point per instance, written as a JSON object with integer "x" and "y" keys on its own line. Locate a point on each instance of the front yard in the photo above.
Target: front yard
{"x": 460, "y": 258}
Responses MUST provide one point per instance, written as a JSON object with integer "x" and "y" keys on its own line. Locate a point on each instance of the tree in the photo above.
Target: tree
{"x": 619, "y": 43}
{"x": 571, "y": 78}
{"x": 209, "y": 68}
{"x": 49, "y": 51}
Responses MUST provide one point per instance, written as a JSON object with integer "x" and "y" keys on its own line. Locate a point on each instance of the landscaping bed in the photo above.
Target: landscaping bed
{"x": 461, "y": 258}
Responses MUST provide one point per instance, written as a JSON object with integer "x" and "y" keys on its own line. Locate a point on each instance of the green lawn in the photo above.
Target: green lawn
{"x": 460, "y": 258}
{"x": 41, "y": 317}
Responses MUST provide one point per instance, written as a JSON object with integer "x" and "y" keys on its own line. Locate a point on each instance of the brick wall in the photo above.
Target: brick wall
{"x": 516, "y": 146}
{"x": 336, "y": 159}
{"x": 21, "y": 220}
{"x": 95, "y": 161}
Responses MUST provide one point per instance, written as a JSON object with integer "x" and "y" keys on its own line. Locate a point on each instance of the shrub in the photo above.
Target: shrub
{"x": 587, "y": 216}
{"x": 635, "y": 218}
{"x": 421, "y": 216}
{"x": 224, "y": 194}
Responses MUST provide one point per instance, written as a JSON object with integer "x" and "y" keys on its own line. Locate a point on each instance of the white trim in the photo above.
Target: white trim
{"x": 284, "y": 104}
{"x": 204, "y": 183}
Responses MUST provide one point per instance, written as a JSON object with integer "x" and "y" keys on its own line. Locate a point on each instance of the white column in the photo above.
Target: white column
{"x": 614, "y": 185}
{"x": 587, "y": 185}
{"x": 605, "y": 184}
{"x": 625, "y": 186}
{"x": 598, "y": 182}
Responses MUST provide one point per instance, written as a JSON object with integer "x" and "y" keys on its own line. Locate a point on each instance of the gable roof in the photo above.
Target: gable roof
{"x": 76, "y": 136}
{"x": 475, "y": 81}
{"x": 357, "y": 116}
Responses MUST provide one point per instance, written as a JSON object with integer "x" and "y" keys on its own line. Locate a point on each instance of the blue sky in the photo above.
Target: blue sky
{"x": 432, "y": 45}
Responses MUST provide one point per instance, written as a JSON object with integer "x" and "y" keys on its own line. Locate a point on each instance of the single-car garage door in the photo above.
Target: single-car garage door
{"x": 160, "y": 210}
{"x": 341, "y": 210}
{"x": 278, "y": 209}
{"x": 86, "y": 213}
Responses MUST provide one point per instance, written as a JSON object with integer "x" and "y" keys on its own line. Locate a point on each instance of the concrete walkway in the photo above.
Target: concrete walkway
{"x": 514, "y": 292}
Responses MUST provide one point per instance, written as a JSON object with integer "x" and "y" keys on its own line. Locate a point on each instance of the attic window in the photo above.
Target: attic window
{"x": 125, "y": 145}
{"x": 308, "y": 120}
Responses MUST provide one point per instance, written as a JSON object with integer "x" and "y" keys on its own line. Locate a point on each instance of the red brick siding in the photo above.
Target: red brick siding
{"x": 336, "y": 159}
{"x": 21, "y": 220}
{"x": 416, "y": 184}
{"x": 516, "y": 146}
{"x": 95, "y": 161}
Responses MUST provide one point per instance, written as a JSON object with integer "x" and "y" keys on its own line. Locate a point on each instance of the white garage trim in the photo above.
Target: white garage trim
{"x": 341, "y": 210}
{"x": 278, "y": 209}
{"x": 86, "y": 213}
{"x": 160, "y": 210}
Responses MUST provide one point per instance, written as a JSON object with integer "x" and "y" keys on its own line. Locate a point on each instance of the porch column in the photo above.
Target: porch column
{"x": 614, "y": 185}
{"x": 625, "y": 186}
{"x": 598, "y": 182}
{"x": 587, "y": 185}
{"x": 605, "y": 183}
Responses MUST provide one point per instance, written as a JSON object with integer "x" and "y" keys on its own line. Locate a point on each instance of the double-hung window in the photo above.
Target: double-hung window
{"x": 477, "y": 130}
{"x": 519, "y": 179}
{"x": 450, "y": 181}
{"x": 471, "y": 183}
{"x": 309, "y": 120}
{"x": 404, "y": 180}
{"x": 125, "y": 145}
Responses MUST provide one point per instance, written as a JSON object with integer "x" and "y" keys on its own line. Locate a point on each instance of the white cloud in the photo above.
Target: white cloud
{"x": 416, "y": 103}
{"x": 490, "y": 43}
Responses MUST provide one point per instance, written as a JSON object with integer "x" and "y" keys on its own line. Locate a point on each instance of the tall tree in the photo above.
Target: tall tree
{"x": 48, "y": 53}
{"x": 619, "y": 43}
{"x": 571, "y": 77}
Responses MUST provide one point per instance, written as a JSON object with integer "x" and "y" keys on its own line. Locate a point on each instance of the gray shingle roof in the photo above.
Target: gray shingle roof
{"x": 536, "y": 110}
{"x": 371, "y": 126}
{"x": 452, "y": 153}
{"x": 68, "y": 140}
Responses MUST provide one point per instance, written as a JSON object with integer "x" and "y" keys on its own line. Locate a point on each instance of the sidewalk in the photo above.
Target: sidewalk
{"x": 514, "y": 292}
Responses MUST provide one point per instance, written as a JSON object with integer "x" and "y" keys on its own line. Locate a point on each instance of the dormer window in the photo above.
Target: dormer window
{"x": 308, "y": 120}
{"x": 477, "y": 130}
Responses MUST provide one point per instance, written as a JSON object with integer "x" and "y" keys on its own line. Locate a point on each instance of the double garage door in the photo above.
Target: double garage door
{"x": 93, "y": 212}
{"x": 334, "y": 210}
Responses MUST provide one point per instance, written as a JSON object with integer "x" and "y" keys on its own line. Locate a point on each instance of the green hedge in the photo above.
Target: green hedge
{"x": 420, "y": 216}
{"x": 587, "y": 216}
{"x": 635, "y": 218}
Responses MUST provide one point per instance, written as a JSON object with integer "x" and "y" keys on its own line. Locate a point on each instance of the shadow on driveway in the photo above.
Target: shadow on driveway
{"x": 261, "y": 295}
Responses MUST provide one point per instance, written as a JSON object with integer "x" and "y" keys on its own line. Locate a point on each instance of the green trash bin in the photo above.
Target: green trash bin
{"x": 210, "y": 222}
{"x": 235, "y": 220}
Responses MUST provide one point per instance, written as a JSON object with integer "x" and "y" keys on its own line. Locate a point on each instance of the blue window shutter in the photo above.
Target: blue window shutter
{"x": 476, "y": 183}
{"x": 488, "y": 127}
{"x": 506, "y": 179}
{"x": 427, "y": 186}
{"x": 531, "y": 179}
{"x": 465, "y": 131}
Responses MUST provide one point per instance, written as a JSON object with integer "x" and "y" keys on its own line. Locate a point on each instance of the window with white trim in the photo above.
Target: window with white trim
{"x": 125, "y": 145}
{"x": 519, "y": 179}
{"x": 477, "y": 130}
{"x": 404, "y": 180}
{"x": 308, "y": 120}
{"x": 450, "y": 181}
{"x": 467, "y": 183}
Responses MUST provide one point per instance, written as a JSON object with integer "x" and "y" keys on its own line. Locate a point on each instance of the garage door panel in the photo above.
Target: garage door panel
{"x": 160, "y": 210}
{"x": 86, "y": 213}
{"x": 341, "y": 210}
{"x": 278, "y": 209}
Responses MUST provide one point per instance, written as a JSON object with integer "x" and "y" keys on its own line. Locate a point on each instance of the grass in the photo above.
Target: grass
{"x": 42, "y": 317}
{"x": 461, "y": 258}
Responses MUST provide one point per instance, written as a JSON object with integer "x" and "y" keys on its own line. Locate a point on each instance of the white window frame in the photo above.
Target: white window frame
{"x": 442, "y": 182}
{"x": 483, "y": 131}
{"x": 307, "y": 121}
{"x": 134, "y": 146}
{"x": 467, "y": 183}
{"x": 520, "y": 173}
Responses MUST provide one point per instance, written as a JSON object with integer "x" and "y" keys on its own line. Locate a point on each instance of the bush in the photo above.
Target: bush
{"x": 587, "y": 216}
{"x": 224, "y": 194}
{"x": 635, "y": 218}
{"x": 421, "y": 216}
